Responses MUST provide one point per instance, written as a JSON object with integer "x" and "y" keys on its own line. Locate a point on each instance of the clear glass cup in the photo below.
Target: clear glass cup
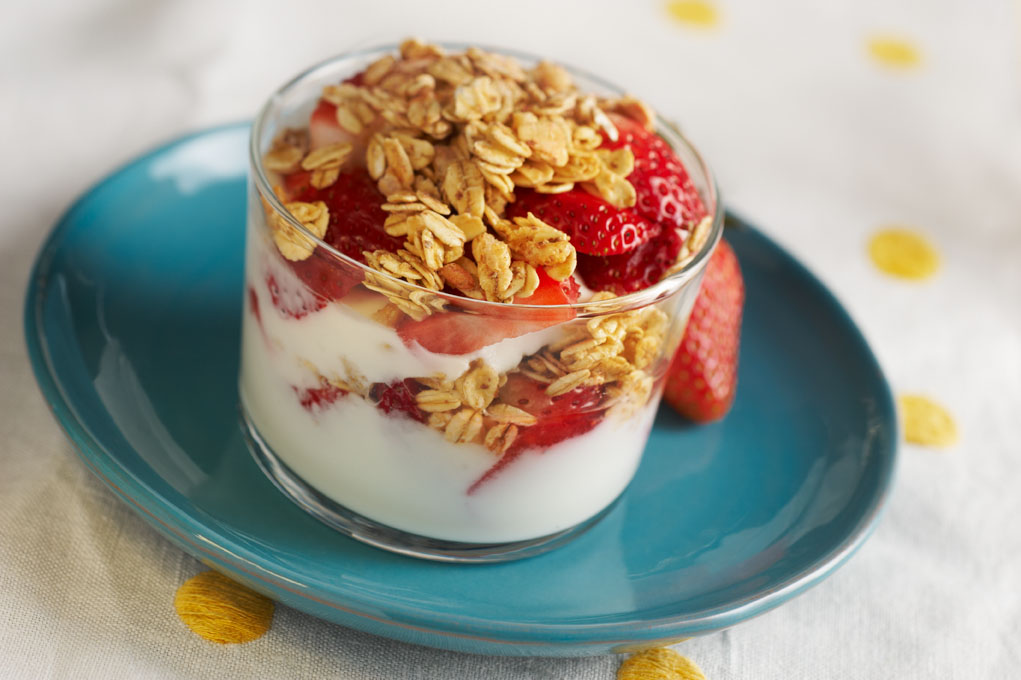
{"x": 418, "y": 452}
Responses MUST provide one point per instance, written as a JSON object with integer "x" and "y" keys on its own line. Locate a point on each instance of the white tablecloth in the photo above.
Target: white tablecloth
{"x": 811, "y": 139}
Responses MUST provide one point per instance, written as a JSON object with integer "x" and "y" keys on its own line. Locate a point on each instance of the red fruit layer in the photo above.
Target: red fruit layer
{"x": 594, "y": 226}
{"x": 323, "y": 128}
{"x": 630, "y": 272}
{"x": 356, "y": 214}
{"x": 397, "y": 397}
{"x": 325, "y": 278}
{"x": 316, "y": 399}
{"x": 569, "y": 285}
{"x": 702, "y": 379}
{"x": 664, "y": 191}
{"x": 558, "y": 418}
{"x": 253, "y": 303}
{"x": 292, "y": 303}
{"x": 463, "y": 333}
{"x": 356, "y": 225}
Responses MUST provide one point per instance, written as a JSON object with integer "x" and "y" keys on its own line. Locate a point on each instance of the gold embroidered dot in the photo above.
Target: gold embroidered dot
{"x": 693, "y": 12}
{"x": 904, "y": 253}
{"x": 221, "y": 610}
{"x": 926, "y": 422}
{"x": 894, "y": 53}
{"x": 659, "y": 664}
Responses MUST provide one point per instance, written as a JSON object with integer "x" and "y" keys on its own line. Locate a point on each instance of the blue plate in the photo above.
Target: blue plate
{"x": 133, "y": 323}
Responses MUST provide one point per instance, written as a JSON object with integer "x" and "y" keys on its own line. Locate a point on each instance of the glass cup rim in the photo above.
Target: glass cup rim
{"x": 637, "y": 299}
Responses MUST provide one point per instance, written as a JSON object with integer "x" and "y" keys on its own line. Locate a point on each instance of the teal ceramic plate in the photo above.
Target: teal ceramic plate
{"x": 133, "y": 321}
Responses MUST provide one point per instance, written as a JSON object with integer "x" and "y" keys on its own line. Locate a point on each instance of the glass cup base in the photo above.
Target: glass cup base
{"x": 378, "y": 535}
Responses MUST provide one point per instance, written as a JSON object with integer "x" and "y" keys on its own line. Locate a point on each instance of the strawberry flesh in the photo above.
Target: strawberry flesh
{"x": 397, "y": 397}
{"x": 356, "y": 214}
{"x": 558, "y": 418}
{"x": 569, "y": 285}
{"x": 463, "y": 333}
{"x": 664, "y": 190}
{"x": 297, "y": 184}
{"x": 323, "y": 128}
{"x": 356, "y": 225}
{"x": 624, "y": 251}
{"x": 317, "y": 399}
{"x": 253, "y": 303}
{"x": 702, "y": 378}
{"x": 594, "y": 226}
{"x": 292, "y": 303}
{"x": 325, "y": 277}
{"x": 632, "y": 271}
{"x": 453, "y": 332}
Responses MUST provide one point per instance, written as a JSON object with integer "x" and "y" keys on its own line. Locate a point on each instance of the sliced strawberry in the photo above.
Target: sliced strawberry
{"x": 570, "y": 287}
{"x": 253, "y": 302}
{"x": 551, "y": 292}
{"x": 665, "y": 192}
{"x": 595, "y": 226}
{"x": 463, "y": 333}
{"x": 356, "y": 225}
{"x": 292, "y": 301}
{"x": 454, "y": 332}
{"x": 702, "y": 378}
{"x": 397, "y": 397}
{"x": 297, "y": 184}
{"x": 558, "y": 418}
{"x": 325, "y": 277}
{"x": 323, "y": 128}
{"x": 632, "y": 271}
{"x": 356, "y": 214}
{"x": 316, "y": 399}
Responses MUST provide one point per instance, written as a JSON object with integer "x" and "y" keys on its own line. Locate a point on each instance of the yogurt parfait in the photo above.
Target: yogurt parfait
{"x": 466, "y": 274}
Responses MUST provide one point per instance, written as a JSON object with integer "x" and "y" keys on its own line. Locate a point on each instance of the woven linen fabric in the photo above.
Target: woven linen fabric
{"x": 813, "y": 137}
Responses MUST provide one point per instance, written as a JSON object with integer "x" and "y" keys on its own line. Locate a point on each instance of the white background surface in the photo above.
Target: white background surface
{"x": 810, "y": 140}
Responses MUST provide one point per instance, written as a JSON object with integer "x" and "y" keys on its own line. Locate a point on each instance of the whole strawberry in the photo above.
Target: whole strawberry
{"x": 702, "y": 378}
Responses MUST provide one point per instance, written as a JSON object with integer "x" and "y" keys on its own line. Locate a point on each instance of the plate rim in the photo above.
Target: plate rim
{"x": 181, "y": 527}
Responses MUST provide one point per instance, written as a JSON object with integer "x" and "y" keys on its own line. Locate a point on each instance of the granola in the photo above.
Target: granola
{"x": 451, "y": 137}
{"x": 293, "y": 244}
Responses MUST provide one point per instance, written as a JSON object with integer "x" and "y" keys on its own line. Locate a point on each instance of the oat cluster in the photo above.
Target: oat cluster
{"x": 450, "y": 137}
{"x": 465, "y": 409}
{"x": 615, "y": 350}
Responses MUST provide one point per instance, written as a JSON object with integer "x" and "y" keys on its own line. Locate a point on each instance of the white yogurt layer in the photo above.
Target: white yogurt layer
{"x": 403, "y": 474}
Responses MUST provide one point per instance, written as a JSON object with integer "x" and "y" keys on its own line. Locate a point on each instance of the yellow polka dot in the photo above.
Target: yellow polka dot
{"x": 221, "y": 610}
{"x": 904, "y": 253}
{"x": 894, "y": 52}
{"x": 659, "y": 664}
{"x": 926, "y": 422}
{"x": 693, "y": 12}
